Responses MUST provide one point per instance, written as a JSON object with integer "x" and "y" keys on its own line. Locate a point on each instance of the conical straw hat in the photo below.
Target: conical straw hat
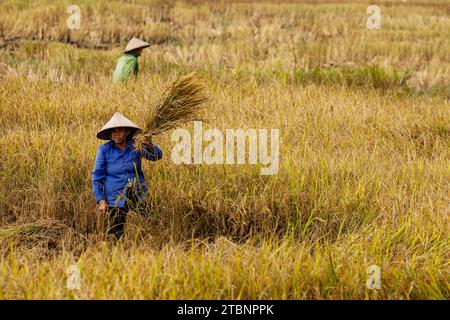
{"x": 116, "y": 121}
{"x": 135, "y": 43}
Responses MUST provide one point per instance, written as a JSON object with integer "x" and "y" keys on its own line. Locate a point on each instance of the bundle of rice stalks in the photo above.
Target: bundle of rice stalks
{"x": 47, "y": 234}
{"x": 180, "y": 104}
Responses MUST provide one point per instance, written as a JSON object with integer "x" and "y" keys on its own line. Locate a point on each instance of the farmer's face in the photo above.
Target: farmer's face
{"x": 139, "y": 52}
{"x": 119, "y": 135}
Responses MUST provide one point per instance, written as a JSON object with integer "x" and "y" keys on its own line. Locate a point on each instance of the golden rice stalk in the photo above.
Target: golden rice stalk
{"x": 47, "y": 233}
{"x": 180, "y": 104}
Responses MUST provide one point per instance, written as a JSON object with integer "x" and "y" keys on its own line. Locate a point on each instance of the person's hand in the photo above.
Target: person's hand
{"x": 102, "y": 206}
{"x": 148, "y": 144}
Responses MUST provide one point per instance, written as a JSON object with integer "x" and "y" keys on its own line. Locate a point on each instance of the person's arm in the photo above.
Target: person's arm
{"x": 136, "y": 68}
{"x": 131, "y": 68}
{"x": 151, "y": 152}
{"x": 98, "y": 179}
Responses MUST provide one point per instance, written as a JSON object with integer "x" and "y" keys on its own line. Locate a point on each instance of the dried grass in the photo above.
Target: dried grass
{"x": 180, "y": 104}
{"x": 46, "y": 234}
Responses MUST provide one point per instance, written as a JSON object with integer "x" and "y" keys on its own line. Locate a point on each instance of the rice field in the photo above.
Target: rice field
{"x": 364, "y": 172}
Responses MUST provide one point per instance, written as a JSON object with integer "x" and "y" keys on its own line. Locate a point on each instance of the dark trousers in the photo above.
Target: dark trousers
{"x": 117, "y": 216}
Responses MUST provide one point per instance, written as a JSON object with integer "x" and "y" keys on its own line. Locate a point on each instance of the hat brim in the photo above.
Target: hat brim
{"x": 140, "y": 47}
{"x": 106, "y": 134}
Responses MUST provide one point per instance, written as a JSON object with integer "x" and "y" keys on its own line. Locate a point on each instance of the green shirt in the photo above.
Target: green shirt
{"x": 126, "y": 65}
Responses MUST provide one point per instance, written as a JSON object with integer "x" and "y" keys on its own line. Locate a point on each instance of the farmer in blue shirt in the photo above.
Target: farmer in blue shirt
{"x": 117, "y": 179}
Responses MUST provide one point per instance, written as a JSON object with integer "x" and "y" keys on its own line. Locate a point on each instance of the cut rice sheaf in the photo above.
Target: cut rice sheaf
{"x": 180, "y": 104}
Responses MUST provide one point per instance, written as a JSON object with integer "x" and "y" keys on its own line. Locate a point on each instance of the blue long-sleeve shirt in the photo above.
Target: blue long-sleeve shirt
{"x": 114, "y": 168}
